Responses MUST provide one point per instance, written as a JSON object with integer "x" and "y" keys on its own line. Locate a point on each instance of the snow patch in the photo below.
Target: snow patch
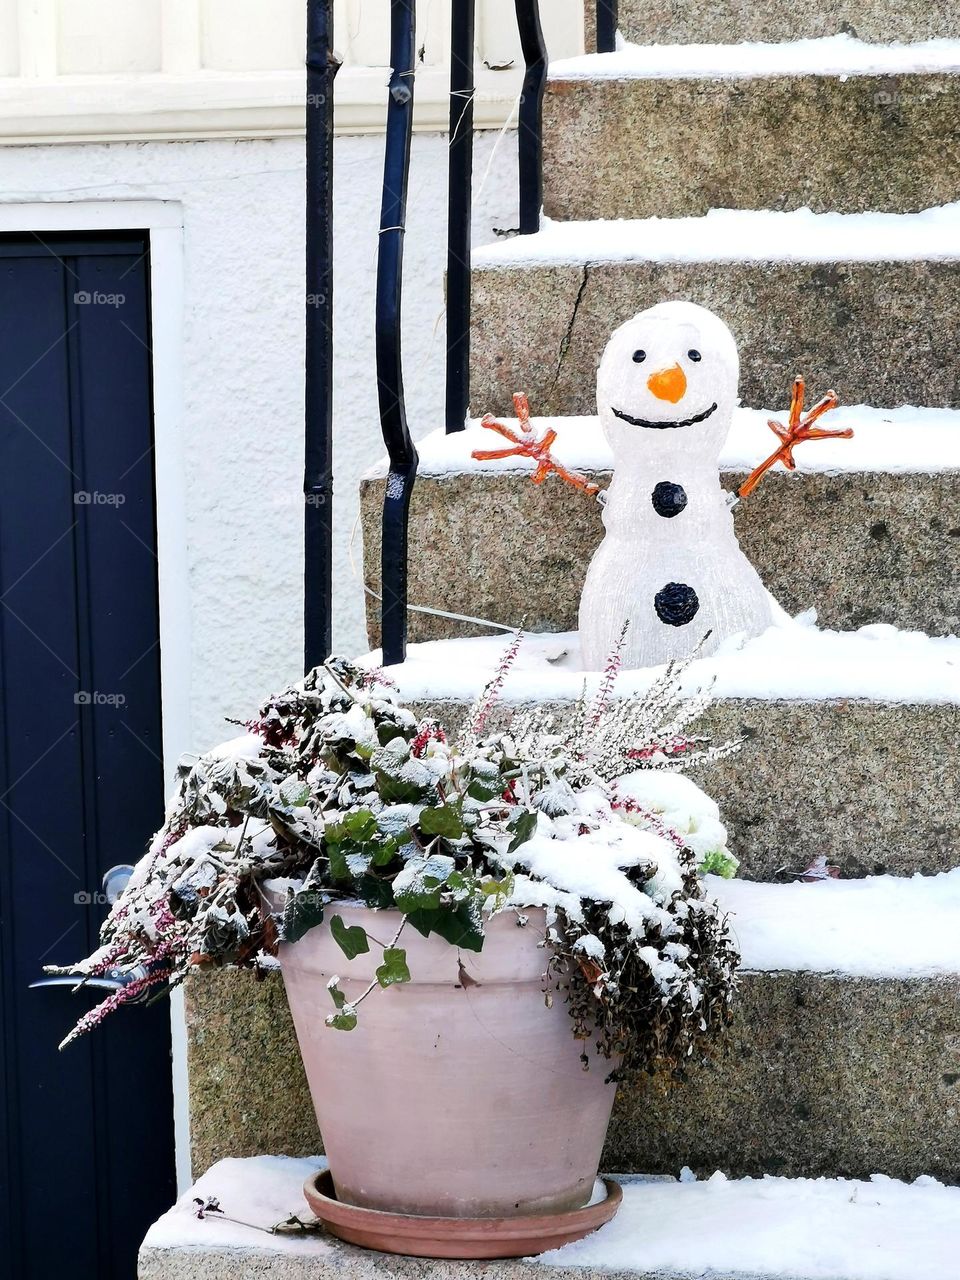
{"x": 792, "y": 660}
{"x": 255, "y": 1194}
{"x": 817, "y": 1229}
{"x": 878, "y": 927}
{"x": 735, "y": 235}
{"x": 591, "y": 866}
{"x": 779, "y": 1228}
{"x": 840, "y": 55}
{"x": 904, "y": 440}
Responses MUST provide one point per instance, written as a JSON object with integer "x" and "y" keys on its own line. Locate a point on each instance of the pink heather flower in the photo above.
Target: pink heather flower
{"x": 653, "y": 820}
{"x": 427, "y": 733}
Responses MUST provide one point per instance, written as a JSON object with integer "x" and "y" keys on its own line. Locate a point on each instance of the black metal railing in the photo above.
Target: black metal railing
{"x": 401, "y": 452}
{"x": 459, "y": 211}
{"x": 530, "y": 116}
{"x": 606, "y": 26}
{"x": 318, "y": 389}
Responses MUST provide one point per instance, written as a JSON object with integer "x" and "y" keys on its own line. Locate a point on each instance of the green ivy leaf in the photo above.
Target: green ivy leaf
{"x": 336, "y": 995}
{"x": 385, "y": 851}
{"x": 480, "y": 789}
{"x": 719, "y": 863}
{"x": 418, "y": 885}
{"x": 361, "y": 825}
{"x": 338, "y": 862}
{"x": 459, "y": 925}
{"x": 394, "y": 967}
{"x": 523, "y": 828}
{"x": 303, "y": 909}
{"x": 374, "y": 892}
{"x": 295, "y": 792}
{"x": 343, "y": 1021}
{"x": 497, "y": 888}
{"x": 352, "y": 941}
{"x": 444, "y": 820}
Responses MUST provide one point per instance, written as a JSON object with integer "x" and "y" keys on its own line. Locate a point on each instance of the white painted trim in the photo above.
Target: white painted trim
{"x": 37, "y": 38}
{"x": 164, "y": 221}
{"x": 180, "y": 36}
{"x": 216, "y": 104}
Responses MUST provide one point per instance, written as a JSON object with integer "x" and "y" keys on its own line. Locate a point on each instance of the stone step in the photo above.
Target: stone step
{"x": 829, "y": 125}
{"x": 732, "y": 21}
{"x": 849, "y": 736}
{"x": 666, "y": 1229}
{"x": 865, "y": 303}
{"x": 848, "y": 1006}
{"x": 876, "y": 521}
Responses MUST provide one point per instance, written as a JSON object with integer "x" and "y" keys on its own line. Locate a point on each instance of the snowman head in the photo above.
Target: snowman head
{"x": 668, "y": 383}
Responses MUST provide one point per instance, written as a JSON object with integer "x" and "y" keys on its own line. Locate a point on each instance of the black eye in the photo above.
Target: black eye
{"x": 694, "y": 356}
{"x": 639, "y": 357}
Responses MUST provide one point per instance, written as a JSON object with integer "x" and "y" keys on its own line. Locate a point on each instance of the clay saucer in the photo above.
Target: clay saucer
{"x": 422, "y": 1237}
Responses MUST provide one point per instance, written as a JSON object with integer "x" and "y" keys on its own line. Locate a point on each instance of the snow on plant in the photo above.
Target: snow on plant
{"x": 338, "y": 794}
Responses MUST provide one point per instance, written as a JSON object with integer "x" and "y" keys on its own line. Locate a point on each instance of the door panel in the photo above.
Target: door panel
{"x": 80, "y": 771}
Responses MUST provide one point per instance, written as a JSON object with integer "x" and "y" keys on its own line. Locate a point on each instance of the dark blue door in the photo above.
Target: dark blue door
{"x": 86, "y": 1135}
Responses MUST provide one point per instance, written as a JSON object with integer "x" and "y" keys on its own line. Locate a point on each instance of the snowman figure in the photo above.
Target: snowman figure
{"x": 669, "y": 566}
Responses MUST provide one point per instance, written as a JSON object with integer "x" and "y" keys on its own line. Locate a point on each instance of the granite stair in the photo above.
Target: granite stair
{"x": 769, "y": 21}
{"x": 672, "y": 132}
{"x": 865, "y": 303}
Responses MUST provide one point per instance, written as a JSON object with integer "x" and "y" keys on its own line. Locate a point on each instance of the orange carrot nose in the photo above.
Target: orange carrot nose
{"x": 668, "y": 384}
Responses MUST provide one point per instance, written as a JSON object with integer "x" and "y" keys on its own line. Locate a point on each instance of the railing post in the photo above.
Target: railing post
{"x": 393, "y": 419}
{"x": 607, "y": 22}
{"x": 459, "y": 210}
{"x": 530, "y": 127}
{"x": 318, "y": 391}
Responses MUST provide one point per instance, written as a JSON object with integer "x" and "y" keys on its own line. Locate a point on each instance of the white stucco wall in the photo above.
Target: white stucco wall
{"x": 242, "y": 403}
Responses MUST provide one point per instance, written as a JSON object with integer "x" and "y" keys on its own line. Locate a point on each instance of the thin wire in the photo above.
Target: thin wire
{"x": 419, "y": 608}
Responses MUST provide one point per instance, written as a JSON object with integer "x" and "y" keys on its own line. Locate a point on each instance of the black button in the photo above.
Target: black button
{"x": 668, "y": 498}
{"x": 676, "y": 604}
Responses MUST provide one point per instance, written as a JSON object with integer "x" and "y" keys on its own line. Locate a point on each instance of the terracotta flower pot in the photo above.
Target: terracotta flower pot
{"x": 460, "y": 1093}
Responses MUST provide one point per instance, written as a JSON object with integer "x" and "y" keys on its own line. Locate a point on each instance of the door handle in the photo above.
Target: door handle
{"x": 112, "y": 980}
{"x": 115, "y": 881}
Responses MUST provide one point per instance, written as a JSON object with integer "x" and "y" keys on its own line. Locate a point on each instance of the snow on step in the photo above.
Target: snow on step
{"x": 839, "y": 55}
{"x": 817, "y": 1229}
{"x": 891, "y": 441}
{"x": 791, "y": 660}
{"x": 776, "y": 1228}
{"x": 848, "y": 926}
{"x": 737, "y": 235}
{"x": 258, "y": 1191}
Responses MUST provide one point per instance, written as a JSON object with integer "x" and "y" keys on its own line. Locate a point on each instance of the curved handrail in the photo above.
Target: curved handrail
{"x": 459, "y": 208}
{"x": 607, "y": 21}
{"x": 530, "y": 119}
{"x": 401, "y": 451}
{"x": 322, "y": 67}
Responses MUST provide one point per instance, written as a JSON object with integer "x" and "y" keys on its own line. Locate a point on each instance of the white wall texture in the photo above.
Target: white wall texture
{"x": 242, "y": 418}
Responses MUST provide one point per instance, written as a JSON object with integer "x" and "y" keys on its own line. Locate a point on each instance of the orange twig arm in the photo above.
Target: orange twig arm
{"x": 525, "y": 444}
{"x": 799, "y": 428}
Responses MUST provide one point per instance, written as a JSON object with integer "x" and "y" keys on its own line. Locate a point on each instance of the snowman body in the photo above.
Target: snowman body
{"x": 669, "y": 565}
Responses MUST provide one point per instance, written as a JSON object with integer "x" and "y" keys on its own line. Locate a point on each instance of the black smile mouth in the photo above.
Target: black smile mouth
{"x": 662, "y": 426}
